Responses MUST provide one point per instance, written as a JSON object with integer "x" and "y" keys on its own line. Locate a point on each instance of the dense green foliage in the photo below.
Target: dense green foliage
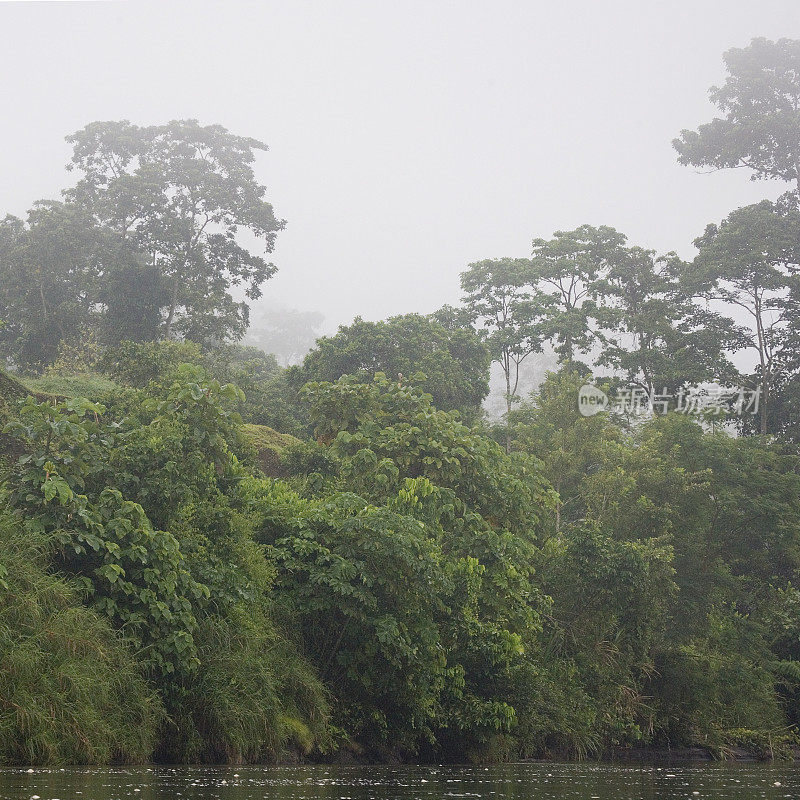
{"x": 205, "y": 556}
{"x": 452, "y": 360}
{"x": 409, "y": 587}
{"x": 706, "y": 527}
{"x": 142, "y": 248}
{"x": 143, "y": 511}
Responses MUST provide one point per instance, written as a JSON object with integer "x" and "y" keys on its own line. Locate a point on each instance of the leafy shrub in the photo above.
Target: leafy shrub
{"x": 416, "y": 608}
{"x": 182, "y": 592}
{"x": 140, "y": 363}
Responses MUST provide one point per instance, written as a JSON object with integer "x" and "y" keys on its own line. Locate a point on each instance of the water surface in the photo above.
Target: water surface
{"x": 520, "y": 781}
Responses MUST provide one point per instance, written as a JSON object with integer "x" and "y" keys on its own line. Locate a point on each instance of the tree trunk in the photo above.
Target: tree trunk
{"x": 557, "y": 487}
{"x": 762, "y": 358}
{"x": 508, "y": 406}
{"x": 173, "y": 301}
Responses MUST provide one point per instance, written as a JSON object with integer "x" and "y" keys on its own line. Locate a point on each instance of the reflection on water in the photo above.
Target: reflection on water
{"x": 522, "y": 781}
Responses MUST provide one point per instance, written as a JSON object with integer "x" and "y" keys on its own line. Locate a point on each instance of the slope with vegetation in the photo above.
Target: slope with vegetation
{"x": 207, "y": 557}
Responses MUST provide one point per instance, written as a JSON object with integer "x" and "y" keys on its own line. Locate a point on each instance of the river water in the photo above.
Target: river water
{"x": 520, "y": 781}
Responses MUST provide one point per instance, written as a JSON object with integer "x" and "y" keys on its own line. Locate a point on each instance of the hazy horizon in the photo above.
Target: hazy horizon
{"x": 406, "y": 139}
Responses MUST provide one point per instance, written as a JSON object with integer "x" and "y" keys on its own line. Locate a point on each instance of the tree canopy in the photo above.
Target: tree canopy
{"x": 449, "y": 360}
{"x": 147, "y": 245}
{"x": 207, "y": 556}
{"x": 760, "y": 128}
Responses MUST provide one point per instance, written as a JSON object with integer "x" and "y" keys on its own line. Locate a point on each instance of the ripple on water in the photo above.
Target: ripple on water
{"x": 532, "y": 781}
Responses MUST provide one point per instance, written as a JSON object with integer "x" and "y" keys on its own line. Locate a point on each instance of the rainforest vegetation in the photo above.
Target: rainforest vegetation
{"x": 206, "y": 556}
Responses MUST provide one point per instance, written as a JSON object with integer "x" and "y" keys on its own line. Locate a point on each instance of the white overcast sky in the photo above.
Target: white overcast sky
{"x": 407, "y": 139}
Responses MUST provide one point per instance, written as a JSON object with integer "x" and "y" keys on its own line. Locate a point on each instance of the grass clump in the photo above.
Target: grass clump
{"x": 70, "y": 690}
{"x": 91, "y": 385}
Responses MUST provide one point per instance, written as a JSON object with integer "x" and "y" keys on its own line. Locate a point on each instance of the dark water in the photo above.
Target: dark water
{"x": 521, "y": 781}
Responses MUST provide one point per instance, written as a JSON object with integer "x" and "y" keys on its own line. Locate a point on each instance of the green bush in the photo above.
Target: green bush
{"x": 138, "y": 364}
{"x": 408, "y": 568}
{"x": 192, "y": 592}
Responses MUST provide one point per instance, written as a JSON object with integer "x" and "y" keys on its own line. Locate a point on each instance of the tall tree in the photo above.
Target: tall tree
{"x": 760, "y": 126}
{"x": 49, "y": 273}
{"x": 652, "y": 332}
{"x": 750, "y": 262}
{"x": 566, "y": 269}
{"x": 179, "y": 194}
{"x": 499, "y": 298}
{"x": 131, "y": 292}
{"x": 785, "y": 400}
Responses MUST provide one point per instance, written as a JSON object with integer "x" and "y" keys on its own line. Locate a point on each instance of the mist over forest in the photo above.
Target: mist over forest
{"x": 556, "y": 516}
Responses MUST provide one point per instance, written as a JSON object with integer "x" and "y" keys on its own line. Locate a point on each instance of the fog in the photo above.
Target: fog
{"x": 407, "y": 139}
{"x": 463, "y": 539}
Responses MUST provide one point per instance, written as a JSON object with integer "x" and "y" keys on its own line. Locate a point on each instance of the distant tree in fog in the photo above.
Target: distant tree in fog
{"x": 177, "y": 195}
{"x": 760, "y": 126}
{"x": 285, "y": 332}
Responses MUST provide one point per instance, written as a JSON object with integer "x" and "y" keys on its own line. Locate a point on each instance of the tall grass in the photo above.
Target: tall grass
{"x": 70, "y": 691}
{"x": 252, "y": 697}
{"x": 91, "y": 385}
